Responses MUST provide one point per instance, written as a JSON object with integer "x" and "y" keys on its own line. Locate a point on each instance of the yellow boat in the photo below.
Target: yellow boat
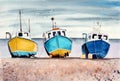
{"x": 21, "y": 45}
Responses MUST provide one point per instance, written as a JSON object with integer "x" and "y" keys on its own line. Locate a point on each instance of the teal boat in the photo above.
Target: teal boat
{"x": 56, "y": 43}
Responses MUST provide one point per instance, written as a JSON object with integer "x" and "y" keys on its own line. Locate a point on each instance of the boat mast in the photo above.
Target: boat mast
{"x": 99, "y": 24}
{"x": 20, "y": 21}
{"x": 99, "y": 27}
{"x": 52, "y": 22}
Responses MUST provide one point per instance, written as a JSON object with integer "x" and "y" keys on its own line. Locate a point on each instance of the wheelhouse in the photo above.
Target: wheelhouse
{"x": 95, "y": 36}
{"x": 24, "y": 35}
{"x": 52, "y": 33}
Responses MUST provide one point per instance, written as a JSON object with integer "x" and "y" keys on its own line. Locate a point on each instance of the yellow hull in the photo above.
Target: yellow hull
{"x": 60, "y": 53}
{"x": 22, "y": 44}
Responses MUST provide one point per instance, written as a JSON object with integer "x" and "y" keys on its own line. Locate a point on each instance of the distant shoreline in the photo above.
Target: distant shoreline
{"x": 69, "y": 37}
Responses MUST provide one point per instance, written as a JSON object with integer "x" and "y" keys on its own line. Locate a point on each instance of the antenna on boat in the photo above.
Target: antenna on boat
{"x": 98, "y": 24}
{"x": 55, "y": 25}
{"x": 29, "y": 25}
{"x": 20, "y": 21}
{"x": 52, "y": 22}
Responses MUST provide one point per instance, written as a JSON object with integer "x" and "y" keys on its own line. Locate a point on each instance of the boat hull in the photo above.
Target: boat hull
{"x": 99, "y": 48}
{"x": 58, "y": 46}
{"x": 21, "y": 47}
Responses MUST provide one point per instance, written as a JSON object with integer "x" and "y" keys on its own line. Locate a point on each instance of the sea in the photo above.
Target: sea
{"x": 114, "y": 51}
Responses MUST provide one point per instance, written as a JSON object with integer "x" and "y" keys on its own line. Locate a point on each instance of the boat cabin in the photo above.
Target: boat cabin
{"x": 23, "y": 35}
{"x": 95, "y": 36}
{"x": 53, "y": 33}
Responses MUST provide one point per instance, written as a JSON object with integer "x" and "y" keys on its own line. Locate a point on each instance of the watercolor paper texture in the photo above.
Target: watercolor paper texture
{"x": 75, "y": 16}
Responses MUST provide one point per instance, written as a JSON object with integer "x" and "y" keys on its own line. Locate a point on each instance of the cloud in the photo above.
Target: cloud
{"x": 68, "y": 14}
{"x": 93, "y": 18}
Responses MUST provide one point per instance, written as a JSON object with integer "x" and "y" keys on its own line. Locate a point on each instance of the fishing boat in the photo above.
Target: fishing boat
{"x": 56, "y": 43}
{"x": 96, "y": 44}
{"x": 21, "y": 45}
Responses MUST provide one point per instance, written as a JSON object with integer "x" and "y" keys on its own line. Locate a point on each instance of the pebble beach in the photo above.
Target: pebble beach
{"x": 61, "y": 69}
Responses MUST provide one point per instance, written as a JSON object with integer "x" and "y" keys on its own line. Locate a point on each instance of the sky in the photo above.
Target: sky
{"x": 76, "y": 16}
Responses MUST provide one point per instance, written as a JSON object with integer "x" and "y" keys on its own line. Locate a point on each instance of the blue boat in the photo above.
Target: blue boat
{"x": 96, "y": 44}
{"x": 56, "y": 43}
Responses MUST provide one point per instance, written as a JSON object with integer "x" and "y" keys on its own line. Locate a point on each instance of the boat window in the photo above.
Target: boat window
{"x": 94, "y": 36}
{"x": 20, "y": 34}
{"x": 54, "y": 33}
{"x": 59, "y": 33}
{"x": 106, "y": 37}
{"x": 64, "y": 33}
{"x": 99, "y": 36}
{"x": 49, "y": 35}
{"x": 26, "y": 33}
